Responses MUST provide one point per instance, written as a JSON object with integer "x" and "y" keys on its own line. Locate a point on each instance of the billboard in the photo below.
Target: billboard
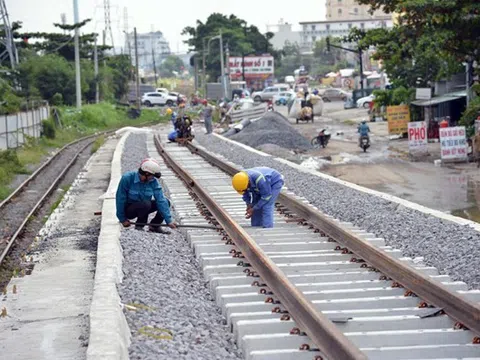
{"x": 417, "y": 136}
{"x": 255, "y": 66}
{"x": 453, "y": 143}
{"x": 398, "y": 118}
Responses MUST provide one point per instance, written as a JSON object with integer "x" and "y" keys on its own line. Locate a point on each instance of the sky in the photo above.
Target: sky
{"x": 169, "y": 17}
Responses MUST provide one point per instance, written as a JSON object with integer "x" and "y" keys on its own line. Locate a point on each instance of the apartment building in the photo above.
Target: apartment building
{"x": 341, "y": 10}
{"x": 313, "y": 31}
{"x": 146, "y": 43}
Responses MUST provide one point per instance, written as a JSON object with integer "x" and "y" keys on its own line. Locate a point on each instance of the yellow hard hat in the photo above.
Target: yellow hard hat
{"x": 169, "y": 111}
{"x": 240, "y": 182}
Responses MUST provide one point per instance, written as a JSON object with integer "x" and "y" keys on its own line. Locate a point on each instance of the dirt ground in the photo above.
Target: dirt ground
{"x": 386, "y": 166}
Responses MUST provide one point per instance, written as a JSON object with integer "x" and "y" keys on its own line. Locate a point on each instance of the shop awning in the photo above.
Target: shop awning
{"x": 440, "y": 99}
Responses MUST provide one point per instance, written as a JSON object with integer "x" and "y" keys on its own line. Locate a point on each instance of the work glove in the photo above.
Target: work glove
{"x": 249, "y": 213}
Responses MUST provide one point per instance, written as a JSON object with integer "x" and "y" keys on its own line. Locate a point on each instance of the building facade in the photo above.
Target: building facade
{"x": 313, "y": 31}
{"x": 283, "y": 35}
{"x": 146, "y": 43}
{"x": 341, "y": 10}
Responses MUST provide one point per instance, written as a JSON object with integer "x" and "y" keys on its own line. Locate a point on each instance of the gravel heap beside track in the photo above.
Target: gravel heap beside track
{"x": 162, "y": 275}
{"x": 272, "y": 128}
{"x": 451, "y": 248}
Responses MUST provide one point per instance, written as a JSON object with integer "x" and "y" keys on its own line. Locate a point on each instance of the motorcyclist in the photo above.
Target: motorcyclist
{"x": 363, "y": 130}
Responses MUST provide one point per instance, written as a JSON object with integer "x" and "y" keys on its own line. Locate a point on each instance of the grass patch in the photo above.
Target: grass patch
{"x": 350, "y": 122}
{"x": 97, "y": 144}
{"x": 76, "y": 124}
{"x": 57, "y": 202}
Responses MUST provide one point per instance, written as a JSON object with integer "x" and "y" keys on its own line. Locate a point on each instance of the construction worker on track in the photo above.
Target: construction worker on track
{"x": 260, "y": 188}
{"x": 134, "y": 198}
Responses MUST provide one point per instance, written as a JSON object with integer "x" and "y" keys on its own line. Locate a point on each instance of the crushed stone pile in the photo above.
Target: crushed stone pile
{"x": 272, "y": 128}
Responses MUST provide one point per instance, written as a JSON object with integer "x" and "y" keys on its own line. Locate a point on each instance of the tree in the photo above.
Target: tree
{"x": 409, "y": 61}
{"x": 241, "y": 39}
{"x": 454, "y": 24}
{"x": 170, "y": 64}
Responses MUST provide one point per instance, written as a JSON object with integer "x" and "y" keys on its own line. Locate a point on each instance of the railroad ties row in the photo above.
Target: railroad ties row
{"x": 384, "y": 320}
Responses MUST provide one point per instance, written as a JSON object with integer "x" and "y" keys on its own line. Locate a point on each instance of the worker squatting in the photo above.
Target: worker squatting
{"x": 139, "y": 194}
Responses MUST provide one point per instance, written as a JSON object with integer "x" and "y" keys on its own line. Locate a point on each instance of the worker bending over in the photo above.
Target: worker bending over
{"x": 134, "y": 198}
{"x": 260, "y": 187}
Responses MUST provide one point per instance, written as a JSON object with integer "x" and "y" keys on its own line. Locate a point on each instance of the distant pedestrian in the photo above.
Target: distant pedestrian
{"x": 207, "y": 116}
{"x": 260, "y": 188}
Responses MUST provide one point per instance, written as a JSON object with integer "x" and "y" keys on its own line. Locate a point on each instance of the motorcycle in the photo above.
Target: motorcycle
{"x": 270, "y": 106}
{"x": 364, "y": 143}
{"x": 321, "y": 139}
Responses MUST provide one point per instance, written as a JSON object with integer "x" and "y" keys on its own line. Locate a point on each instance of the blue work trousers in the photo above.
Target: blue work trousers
{"x": 264, "y": 216}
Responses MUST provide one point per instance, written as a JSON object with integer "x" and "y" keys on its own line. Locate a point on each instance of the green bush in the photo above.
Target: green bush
{"x": 57, "y": 99}
{"x": 48, "y": 129}
{"x": 9, "y": 166}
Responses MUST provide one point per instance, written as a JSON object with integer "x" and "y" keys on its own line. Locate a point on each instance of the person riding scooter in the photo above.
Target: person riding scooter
{"x": 363, "y": 130}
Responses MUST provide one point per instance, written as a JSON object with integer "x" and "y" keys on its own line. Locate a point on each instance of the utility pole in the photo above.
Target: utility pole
{"x": 204, "y": 70}
{"x": 78, "y": 84}
{"x": 195, "y": 66}
{"x": 360, "y": 54}
{"x": 154, "y": 65}
{"x": 469, "y": 78}
{"x": 243, "y": 54}
{"x": 104, "y": 44}
{"x": 95, "y": 60}
{"x": 227, "y": 77}
{"x": 137, "y": 76}
{"x": 222, "y": 65}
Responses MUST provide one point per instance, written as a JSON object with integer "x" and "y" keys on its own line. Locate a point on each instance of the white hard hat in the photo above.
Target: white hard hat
{"x": 150, "y": 166}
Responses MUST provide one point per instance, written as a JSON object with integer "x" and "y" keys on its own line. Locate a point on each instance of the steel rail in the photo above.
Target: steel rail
{"x": 20, "y": 229}
{"x": 40, "y": 169}
{"x": 330, "y": 340}
{"x": 57, "y": 153}
{"x": 434, "y": 293}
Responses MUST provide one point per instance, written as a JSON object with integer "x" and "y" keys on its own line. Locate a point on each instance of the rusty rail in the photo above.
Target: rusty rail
{"x": 434, "y": 293}
{"x": 330, "y": 340}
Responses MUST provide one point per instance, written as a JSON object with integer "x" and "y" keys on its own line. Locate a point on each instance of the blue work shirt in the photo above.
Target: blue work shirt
{"x": 173, "y": 118}
{"x": 363, "y": 129}
{"x": 260, "y": 184}
{"x": 131, "y": 190}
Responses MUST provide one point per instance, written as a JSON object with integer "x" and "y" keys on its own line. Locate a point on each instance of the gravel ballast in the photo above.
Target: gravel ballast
{"x": 452, "y": 248}
{"x": 272, "y": 128}
{"x": 176, "y": 317}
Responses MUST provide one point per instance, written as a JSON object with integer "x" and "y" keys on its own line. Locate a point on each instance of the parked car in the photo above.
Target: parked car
{"x": 269, "y": 92}
{"x": 283, "y": 98}
{"x": 335, "y": 94}
{"x": 176, "y": 94}
{"x": 156, "y": 98}
{"x": 365, "y": 101}
{"x": 242, "y": 93}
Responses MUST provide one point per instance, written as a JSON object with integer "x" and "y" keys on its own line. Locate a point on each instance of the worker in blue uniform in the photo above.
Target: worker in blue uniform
{"x": 260, "y": 187}
{"x": 140, "y": 194}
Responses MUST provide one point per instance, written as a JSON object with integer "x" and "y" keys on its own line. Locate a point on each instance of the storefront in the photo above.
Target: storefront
{"x": 258, "y": 71}
{"x": 449, "y": 106}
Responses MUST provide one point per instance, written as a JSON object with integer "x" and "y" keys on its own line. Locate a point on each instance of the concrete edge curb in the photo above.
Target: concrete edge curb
{"x": 109, "y": 331}
{"x": 406, "y": 203}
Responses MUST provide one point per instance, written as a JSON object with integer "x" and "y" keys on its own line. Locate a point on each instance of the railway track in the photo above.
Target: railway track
{"x": 314, "y": 287}
{"x": 23, "y": 203}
